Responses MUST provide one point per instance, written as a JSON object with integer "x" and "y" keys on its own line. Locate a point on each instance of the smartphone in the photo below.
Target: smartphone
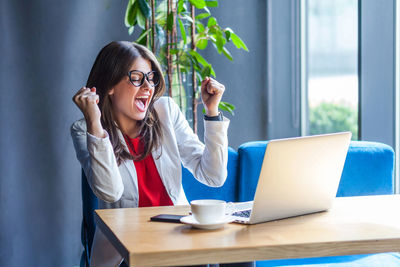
{"x": 167, "y": 218}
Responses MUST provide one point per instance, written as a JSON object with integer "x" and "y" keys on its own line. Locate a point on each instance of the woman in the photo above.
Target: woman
{"x": 132, "y": 141}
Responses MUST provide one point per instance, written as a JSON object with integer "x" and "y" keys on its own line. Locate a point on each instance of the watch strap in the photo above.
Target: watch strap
{"x": 219, "y": 117}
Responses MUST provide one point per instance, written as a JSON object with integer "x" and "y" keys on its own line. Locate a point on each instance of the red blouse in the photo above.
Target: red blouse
{"x": 152, "y": 191}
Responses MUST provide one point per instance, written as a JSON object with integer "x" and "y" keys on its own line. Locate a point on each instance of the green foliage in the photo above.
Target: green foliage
{"x": 225, "y": 106}
{"x": 183, "y": 31}
{"x": 130, "y": 14}
{"x": 331, "y": 117}
{"x": 143, "y": 36}
{"x": 184, "y": 58}
{"x": 211, "y": 3}
{"x": 202, "y": 16}
{"x": 198, "y": 3}
{"x": 144, "y": 8}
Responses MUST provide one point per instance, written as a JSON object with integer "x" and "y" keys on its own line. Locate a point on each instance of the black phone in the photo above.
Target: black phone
{"x": 167, "y": 218}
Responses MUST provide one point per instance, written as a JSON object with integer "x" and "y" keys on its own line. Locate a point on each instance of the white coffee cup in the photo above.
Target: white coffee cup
{"x": 207, "y": 211}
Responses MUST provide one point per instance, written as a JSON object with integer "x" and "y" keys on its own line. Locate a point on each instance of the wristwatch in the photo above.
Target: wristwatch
{"x": 219, "y": 117}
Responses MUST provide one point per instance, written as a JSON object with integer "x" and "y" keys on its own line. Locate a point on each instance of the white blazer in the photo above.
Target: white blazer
{"x": 117, "y": 186}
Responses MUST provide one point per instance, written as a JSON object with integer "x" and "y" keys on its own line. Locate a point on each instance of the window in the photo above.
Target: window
{"x": 331, "y": 40}
{"x": 349, "y": 61}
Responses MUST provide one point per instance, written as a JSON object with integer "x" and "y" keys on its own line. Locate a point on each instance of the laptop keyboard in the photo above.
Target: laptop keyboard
{"x": 242, "y": 213}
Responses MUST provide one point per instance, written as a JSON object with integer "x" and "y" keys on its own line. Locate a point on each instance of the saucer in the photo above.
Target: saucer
{"x": 208, "y": 226}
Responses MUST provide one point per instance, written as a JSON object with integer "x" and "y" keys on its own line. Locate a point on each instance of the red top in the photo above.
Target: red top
{"x": 151, "y": 189}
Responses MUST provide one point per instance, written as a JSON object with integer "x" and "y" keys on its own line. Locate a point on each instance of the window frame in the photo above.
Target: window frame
{"x": 378, "y": 109}
{"x": 379, "y": 82}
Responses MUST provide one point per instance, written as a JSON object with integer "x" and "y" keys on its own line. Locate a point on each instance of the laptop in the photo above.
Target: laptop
{"x": 298, "y": 176}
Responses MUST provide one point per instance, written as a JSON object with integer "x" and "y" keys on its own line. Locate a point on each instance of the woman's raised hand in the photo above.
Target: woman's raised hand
{"x": 211, "y": 94}
{"x": 86, "y": 99}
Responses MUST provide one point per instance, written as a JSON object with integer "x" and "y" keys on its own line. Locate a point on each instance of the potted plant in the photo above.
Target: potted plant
{"x": 175, "y": 30}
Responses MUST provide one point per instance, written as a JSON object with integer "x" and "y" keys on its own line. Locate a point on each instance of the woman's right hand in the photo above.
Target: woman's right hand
{"x": 86, "y": 99}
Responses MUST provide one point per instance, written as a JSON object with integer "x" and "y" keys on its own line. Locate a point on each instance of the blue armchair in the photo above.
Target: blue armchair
{"x": 368, "y": 170}
{"x": 228, "y": 192}
{"x": 89, "y": 204}
{"x": 88, "y": 226}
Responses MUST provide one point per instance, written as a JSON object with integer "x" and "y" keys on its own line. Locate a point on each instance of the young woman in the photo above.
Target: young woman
{"x": 132, "y": 141}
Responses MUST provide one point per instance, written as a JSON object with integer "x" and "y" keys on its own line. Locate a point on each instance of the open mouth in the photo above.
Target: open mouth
{"x": 141, "y": 103}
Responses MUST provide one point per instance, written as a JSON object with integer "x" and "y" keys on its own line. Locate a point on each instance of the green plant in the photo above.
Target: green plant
{"x": 331, "y": 117}
{"x": 184, "y": 67}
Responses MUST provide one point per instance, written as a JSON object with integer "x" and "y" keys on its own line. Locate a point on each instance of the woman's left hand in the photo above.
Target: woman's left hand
{"x": 211, "y": 94}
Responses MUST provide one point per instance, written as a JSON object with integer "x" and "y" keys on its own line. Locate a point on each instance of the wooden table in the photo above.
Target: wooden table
{"x": 355, "y": 225}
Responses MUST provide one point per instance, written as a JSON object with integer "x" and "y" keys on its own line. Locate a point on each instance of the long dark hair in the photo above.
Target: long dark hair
{"x": 112, "y": 65}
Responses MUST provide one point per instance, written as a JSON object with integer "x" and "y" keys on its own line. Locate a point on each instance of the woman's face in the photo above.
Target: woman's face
{"x": 129, "y": 102}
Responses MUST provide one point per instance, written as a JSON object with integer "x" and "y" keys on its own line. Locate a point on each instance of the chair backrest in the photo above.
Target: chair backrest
{"x": 368, "y": 169}
{"x": 229, "y": 191}
{"x": 251, "y": 156}
{"x": 89, "y": 204}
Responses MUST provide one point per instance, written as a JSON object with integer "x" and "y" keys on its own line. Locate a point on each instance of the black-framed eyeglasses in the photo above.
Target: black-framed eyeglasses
{"x": 136, "y": 77}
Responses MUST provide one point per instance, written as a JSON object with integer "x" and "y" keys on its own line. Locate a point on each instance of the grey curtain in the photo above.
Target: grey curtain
{"x": 47, "y": 49}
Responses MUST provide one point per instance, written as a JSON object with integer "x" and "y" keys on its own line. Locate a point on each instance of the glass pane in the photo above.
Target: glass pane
{"x": 332, "y": 44}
